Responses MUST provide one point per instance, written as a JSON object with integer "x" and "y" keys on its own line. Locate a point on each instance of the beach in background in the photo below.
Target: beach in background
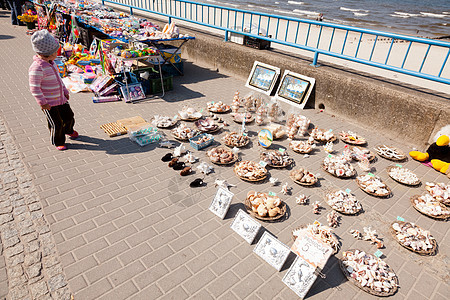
{"x": 426, "y": 18}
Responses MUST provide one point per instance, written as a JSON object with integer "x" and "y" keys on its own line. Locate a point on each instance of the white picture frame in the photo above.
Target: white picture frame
{"x": 245, "y": 226}
{"x": 272, "y": 250}
{"x": 300, "y": 277}
{"x": 221, "y": 202}
{"x": 263, "y": 77}
{"x": 295, "y": 89}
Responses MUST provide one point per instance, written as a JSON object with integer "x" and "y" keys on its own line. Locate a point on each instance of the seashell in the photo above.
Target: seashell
{"x": 178, "y": 151}
{"x": 273, "y": 181}
{"x": 273, "y": 251}
{"x": 167, "y": 144}
{"x": 285, "y": 189}
{"x": 205, "y": 168}
{"x": 190, "y": 158}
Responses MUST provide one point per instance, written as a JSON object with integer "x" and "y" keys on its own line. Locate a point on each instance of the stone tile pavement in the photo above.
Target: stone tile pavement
{"x": 125, "y": 226}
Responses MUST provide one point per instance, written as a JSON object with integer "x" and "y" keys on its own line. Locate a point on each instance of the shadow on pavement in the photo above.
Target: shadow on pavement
{"x": 6, "y": 37}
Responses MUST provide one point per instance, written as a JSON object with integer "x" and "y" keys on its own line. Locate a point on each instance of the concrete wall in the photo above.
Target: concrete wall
{"x": 400, "y": 112}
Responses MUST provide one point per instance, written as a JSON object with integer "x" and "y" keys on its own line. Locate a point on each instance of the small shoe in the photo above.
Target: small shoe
{"x": 167, "y": 157}
{"x": 186, "y": 171}
{"x": 178, "y": 166}
{"x": 61, "y": 148}
{"x": 73, "y": 135}
{"x": 198, "y": 182}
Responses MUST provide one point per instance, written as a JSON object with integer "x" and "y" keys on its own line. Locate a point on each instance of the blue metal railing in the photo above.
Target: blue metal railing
{"x": 333, "y": 40}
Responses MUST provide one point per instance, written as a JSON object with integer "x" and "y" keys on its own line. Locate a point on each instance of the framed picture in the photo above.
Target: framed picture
{"x": 263, "y": 77}
{"x": 245, "y": 226}
{"x": 272, "y": 250}
{"x": 300, "y": 277}
{"x": 295, "y": 88}
{"x": 132, "y": 92}
{"x": 221, "y": 202}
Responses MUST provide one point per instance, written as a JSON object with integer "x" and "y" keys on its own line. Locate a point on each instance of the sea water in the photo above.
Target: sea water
{"x": 426, "y": 18}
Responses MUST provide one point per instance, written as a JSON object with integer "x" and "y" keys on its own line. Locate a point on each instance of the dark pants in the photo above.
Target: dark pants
{"x": 4, "y": 5}
{"x": 60, "y": 122}
{"x": 16, "y": 10}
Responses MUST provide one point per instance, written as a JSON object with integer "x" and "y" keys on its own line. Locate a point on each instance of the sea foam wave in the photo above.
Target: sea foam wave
{"x": 296, "y": 3}
{"x": 352, "y": 9}
{"x": 433, "y": 15}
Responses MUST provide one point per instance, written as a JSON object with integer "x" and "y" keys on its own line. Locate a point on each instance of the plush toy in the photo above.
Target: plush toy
{"x": 437, "y": 153}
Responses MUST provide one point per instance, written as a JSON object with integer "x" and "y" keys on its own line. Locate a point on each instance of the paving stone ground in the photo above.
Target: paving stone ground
{"x": 125, "y": 226}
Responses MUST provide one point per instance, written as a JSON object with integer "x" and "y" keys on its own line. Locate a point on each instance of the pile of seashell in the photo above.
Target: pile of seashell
{"x": 189, "y": 113}
{"x": 430, "y": 206}
{"x": 323, "y": 232}
{"x": 302, "y": 146}
{"x": 264, "y": 205}
{"x": 302, "y": 175}
{"x": 412, "y": 236}
{"x": 369, "y": 271}
{"x": 358, "y": 153}
{"x": 260, "y": 113}
{"x": 322, "y": 135}
{"x": 183, "y": 132}
{"x": 236, "y": 102}
{"x": 217, "y": 107}
{"x": 338, "y": 166}
{"x": 439, "y": 191}
{"x": 372, "y": 236}
{"x": 403, "y": 175}
{"x": 343, "y": 202}
{"x": 352, "y": 138}
{"x": 220, "y": 155}
{"x": 239, "y": 117}
{"x": 373, "y": 185}
{"x": 389, "y": 152}
{"x": 250, "y": 170}
{"x": 206, "y": 125}
{"x": 164, "y": 122}
{"x": 333, "y": 219}
{"x": 277, "y": 131}
{"x": 234, "y": 139}
{"x": 203, "y": 139}
{"x": 297, "y": 124}
{"x": 276, "y": 158}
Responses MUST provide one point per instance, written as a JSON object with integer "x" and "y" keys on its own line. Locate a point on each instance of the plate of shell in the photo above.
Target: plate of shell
{"x": 276, "y": 158}
{"x": 414, "y": 238}
{"x": 343, "y": 202}
{"x": 264, "y": 206}
{"x": 302, "y": 147}
{"x": 439, "y": 191}
{"x": 234, "y": 139}
{"x": 403, "y": 175}
{"x": 250, "y": 171}
{"x": 431, "y": 207}
{"x": 222, "y": 156}
{"x": 352, "y": 138}
{"x": 369, "y": 273}
{"x": 390, "y": 153}
{"x": 303, "y": 177}
{"x": 359, "y": 152}
{"x": 373, "y": 185}
{"x": 322, "y": 232}
{"x": 338, "y": 166}
{"x": 322, "y": 136}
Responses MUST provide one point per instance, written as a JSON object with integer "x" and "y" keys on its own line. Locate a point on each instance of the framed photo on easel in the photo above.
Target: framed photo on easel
{"x": 295, "y": 88}
{"x": 263, "y": 77}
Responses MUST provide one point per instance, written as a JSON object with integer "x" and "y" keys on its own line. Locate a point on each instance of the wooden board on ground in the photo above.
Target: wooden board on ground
{"x": 113, "y": 129}
{"x": 133, "y": 121}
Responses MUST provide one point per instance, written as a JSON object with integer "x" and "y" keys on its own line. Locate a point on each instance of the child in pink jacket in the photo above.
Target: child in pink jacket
{"x": 48, "y": 89}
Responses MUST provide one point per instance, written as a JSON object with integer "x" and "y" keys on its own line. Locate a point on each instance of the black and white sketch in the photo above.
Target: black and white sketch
{"x": 221, "y": 202}
{"x": 272, "y": 250}
{"x": 245, "y": 226}
{"x": 300, "y": 277}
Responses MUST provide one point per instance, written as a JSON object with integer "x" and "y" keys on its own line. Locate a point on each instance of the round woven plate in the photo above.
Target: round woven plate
{"x": 370, "y": 157}
{"x": 249, "y": 209}
{"x": 353, "y": 174}
{"x": 359, "y": 142}
{"x": 235, "y": 158}
{"x": 303, "y": 183}
{"x": 169, "y": 126}
{"x": 246, "y": 122}
{"x": 210, "y": 131}
{"x": 388, "y": 169}
{"x": 190, "y": 119}
{"x": 232, "y": 146}
{"x": 432, "y": 251}
{"x": 399, "y": 152}
{"x": 180, "y": 139}
{"x": 301, "y": 152}
{"x": 276, "y": 166}
{"x": 342, "y": 212}
{"x": 334, "y": 238}
{"x": 365, "y": 288}
{"x": 358, "y": 182}
{"x": 413, "y": 203}
{"x": 330, "y": 140}
{"x": 220, "y": 112}
{"x": 248, "y": 179}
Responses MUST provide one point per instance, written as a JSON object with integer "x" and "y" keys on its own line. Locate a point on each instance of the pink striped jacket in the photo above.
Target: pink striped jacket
{"x": 45, "y": 83}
